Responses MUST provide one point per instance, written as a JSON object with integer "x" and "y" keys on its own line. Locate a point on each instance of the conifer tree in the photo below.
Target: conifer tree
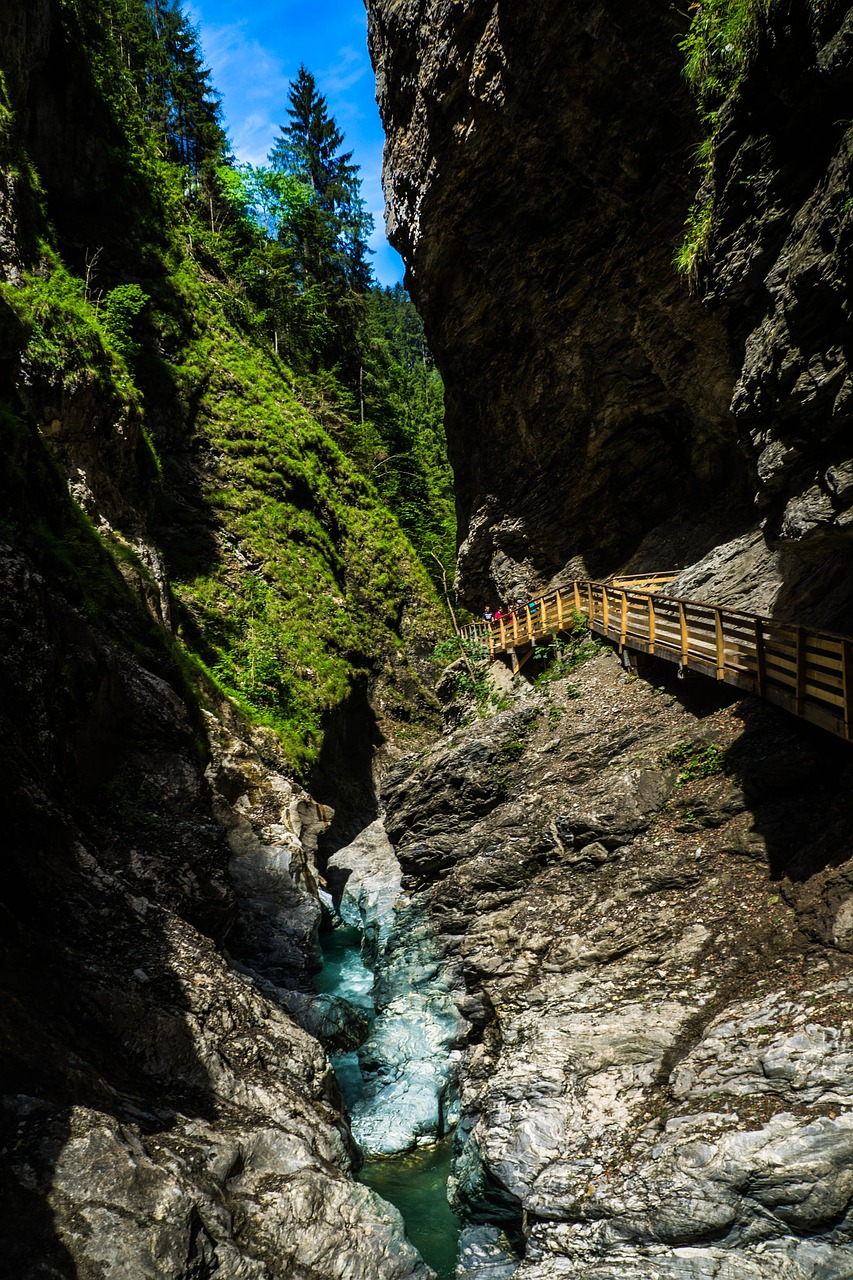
{"x": 174, "y": 86}
{"x": 309, "y": 148}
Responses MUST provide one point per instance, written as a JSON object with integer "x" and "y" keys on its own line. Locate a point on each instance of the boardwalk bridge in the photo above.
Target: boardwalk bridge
{"x": 807, "y": 672}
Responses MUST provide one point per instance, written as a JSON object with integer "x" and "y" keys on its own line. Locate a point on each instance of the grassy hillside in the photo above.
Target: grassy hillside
{"x": 137, "y": 369}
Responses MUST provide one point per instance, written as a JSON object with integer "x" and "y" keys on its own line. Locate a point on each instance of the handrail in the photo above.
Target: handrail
{"x": 644, "y": 581}
{"x": 807, "y": 672}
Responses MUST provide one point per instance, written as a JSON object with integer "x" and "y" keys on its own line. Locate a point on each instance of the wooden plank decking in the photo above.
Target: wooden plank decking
{"x": 807, "y": 672}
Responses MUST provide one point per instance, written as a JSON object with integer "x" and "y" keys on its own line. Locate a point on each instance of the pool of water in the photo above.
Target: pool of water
{"x": 417, "y": 1184}
{"x": 344, "y": 973}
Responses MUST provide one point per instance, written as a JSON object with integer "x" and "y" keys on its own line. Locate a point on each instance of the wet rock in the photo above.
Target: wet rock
{"x": 169, "y": 1204}
{"x": 365, "y": 880}
{"x": 272, "y": 827}
{"x": 408, "y": 1060}
{"x": 485, "y": 1253}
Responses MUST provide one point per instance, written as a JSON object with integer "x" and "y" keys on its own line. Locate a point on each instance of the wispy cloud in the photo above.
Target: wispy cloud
{"x": 252, "y": 81}
{"x": 352, "y": 65}
{"x": 254, "y": 57}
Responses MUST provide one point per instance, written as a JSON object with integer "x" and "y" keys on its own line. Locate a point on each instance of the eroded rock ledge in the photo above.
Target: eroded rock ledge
{"x": 649, "y": 897}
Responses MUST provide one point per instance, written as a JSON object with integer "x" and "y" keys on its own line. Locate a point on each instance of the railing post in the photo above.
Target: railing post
{"x": 543, "y": 613}
{"x": 605, "y": 608}
{"x": 577, "y": 591}
{"x": 760, "y": 664}
{"x": 559, "y": 612}
{"x": 515, "y": 626}
{"x": 590, "y": 612}
{"x": 623, "y": 629}
{"x": 685, "y": 642}
{"x": 721, "y": 645}
{"x": 801, "y": 669}
{"x": 529, "y": 622}
{"x": 651, "y": 624}
{"x": 502, "y": 626}
{"x": 847, "y": 684}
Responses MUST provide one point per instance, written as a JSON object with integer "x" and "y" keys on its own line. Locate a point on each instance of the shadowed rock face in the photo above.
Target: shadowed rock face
{"x": 161, "y": 1112}
{"x": 539, "y": 167}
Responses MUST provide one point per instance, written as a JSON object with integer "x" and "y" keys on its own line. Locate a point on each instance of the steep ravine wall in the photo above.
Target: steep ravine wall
{"x": 539, "y": 167}
{"x": 643, "y": 887}
{"x": 167, "y": 1107}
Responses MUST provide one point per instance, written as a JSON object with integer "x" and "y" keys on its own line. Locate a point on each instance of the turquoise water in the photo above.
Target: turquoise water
{"x": 415, "y": 1183}
{"x": 344, "y": 973}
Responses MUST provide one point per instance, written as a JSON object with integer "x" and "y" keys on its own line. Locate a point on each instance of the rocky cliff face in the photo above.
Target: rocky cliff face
{"x": 163, "y": 1112}
{"x": 166, "y": 1103}
{"x": 644, "y": 899}
{"x": 538, "y": 170}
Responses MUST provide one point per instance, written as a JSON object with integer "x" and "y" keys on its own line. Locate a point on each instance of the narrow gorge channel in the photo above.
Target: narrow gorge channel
{"x": 399, "y": 1086}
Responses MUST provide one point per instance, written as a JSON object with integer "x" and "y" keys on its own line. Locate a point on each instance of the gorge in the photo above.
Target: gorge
{"x": 605, "y": 915}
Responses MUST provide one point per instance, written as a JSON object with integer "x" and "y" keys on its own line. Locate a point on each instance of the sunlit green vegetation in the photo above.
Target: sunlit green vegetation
{"x": 278, "y": 415}
{"x": 717, "y": 50}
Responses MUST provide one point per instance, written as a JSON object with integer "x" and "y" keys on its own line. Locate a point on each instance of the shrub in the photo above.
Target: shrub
{"x": 696, "y": 760}
{"x": 118, "y": 311}
{"x": 562, "y": 656}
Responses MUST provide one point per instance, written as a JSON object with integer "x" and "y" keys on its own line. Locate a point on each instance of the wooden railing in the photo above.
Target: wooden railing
{"x": 807, "y": 672}
{"x": 644, "y": 581}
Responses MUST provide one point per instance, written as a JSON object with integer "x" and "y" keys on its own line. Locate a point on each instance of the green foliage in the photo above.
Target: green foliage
{"x": 331, "y": 574}
{"x": 717, "y": 49}
{"x": 697, "y": 235}
{"x": 695, "y": 760}
{"x": 472, "y": 681}
{"x": 292, "y": 578}
{"x": 334, "y": 239}
{"x": 6, "y": 114}
{"x": 359, "y": 350}
{"x": 118, "y": 312}
{"x": 562, "y": 656}
{"x": 39, "y": 515}
{"x": 67, "y": 343}
{"x": 399, "y": 434}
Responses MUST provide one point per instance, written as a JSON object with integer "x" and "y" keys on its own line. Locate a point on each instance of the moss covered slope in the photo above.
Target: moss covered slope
{"x": 134, "y": 358}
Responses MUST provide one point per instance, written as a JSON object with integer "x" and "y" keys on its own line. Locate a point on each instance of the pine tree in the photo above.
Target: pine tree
{"x": 161, "y": 49}
{"x": 309, "y": 148}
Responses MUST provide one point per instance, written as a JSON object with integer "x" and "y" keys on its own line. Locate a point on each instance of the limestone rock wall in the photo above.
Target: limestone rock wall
{"x": 778, "y": 268}
{"x": 162, "y": 1111}
{"x": 539, "y": 168}
{"x": 166, "y": 1104}
{"x": 655, "y": 957}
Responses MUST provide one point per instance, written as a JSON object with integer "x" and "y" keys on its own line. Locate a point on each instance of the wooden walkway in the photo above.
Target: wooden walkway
{"x": 807, "y": 672}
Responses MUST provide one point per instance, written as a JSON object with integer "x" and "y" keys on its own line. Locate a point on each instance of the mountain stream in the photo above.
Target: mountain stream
{"x": 398, "y": 1087}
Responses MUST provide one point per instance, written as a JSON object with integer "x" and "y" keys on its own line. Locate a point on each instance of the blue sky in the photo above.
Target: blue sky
{"x": 254, "y": 50}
